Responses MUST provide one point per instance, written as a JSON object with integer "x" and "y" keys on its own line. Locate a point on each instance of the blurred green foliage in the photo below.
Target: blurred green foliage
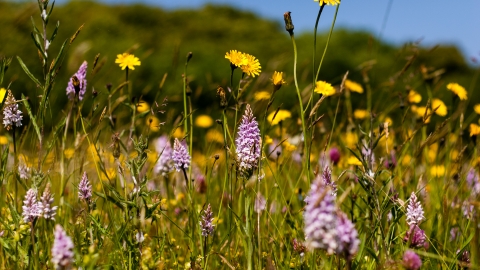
{"x": 162, "y": 39}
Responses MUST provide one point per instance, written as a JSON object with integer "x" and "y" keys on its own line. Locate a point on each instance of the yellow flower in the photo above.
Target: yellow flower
{"x": 474, "y": 130}
{"x": 360, "y": 114}
{"x": 3, "y": 140}
{"x": 414, "y": 97}
{"x": 440, "y": 107}
{"x": 420, "y": 111}
{"x": 268, "y": 139}
{"x": 324, "y": 88}
{"x": 203, "y": 121}
{"x": 353, "y": 160}
{"x": 236, "y": 58}
{"x": 353, "y": 86}
{"x": 432, "y": 152}
{"x": 388, "y": 120}
{"x": 328, "y": 2}
{"x": 476, "y": 108}
{"x": 261, "y": 95}
{"x": 153, "y": 123}
{"x": 351, "y": 139}
{"x": 3, "y": 91}
{"x": 458, "y": 90}
{"x": 278, "y": 80}
{"x": 437, "y": 171}
{"x": 214, "y": 135}
{"x": 178, "y": 133}
{"x": 454, "y": 154}
{"x": 289, "y": 147}
{"x": 142, "y": 106}
{"x": 69, "y": 152}
{"x": 127, "y": 60}
{"x": 281, "y": 115}
{"x": 252, "y": 66}
{"x": 406, "y": 160}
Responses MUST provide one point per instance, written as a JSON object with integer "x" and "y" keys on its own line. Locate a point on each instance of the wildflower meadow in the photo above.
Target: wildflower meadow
{"x": 278, "y": 166}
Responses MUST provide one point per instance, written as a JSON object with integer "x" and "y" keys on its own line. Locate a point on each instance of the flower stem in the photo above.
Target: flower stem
{"x": 300, "y": 103}
{"x": 324, "y": 53}
{"x": 315, "y": 40}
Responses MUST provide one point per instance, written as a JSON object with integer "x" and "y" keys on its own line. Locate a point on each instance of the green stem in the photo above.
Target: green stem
{"x": 62, "y": 155}
{"x": 248, "y": 230}
{"x": 315, "y": 39}
{"x": 324, "y": 53}
{"x": 300, "y": 103}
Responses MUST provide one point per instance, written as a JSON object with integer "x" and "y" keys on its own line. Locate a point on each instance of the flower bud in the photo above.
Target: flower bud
{"x": 288, "y": 22}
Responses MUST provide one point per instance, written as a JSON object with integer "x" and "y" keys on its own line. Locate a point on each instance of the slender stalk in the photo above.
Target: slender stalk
{"x": 32, "y": 235}
{"x": 227, "y": 179}
{"x": 328, "y": 42}
{"x": 15, "y": 161}
{"x": 300, "y": 103}
{"x": 315, "y": 40}
{"x": 185, "y": 111}
{"x": 323, "y": 56}
{"x": 248, "y": 230}
{"x": 62, "y": 155}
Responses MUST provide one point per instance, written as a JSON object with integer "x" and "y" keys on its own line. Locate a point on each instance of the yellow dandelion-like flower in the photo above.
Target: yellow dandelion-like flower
{"x": 127, "y": 60}
{"x": 351, "y": 139}
{"x": 153, "y": 123}
{"x": 476, "y": 108}
{"x": 214, "y": 135}
{"x": 252, "y": 65}
{"x": 432, "y": 152}
{"x": 353, "y": 160}
{"x": 178, "y": 133}
{"x": 289, "y": 147}
{"x": 280, "y": 116}
{"x": 324, "y": 88}
{"x": 328, "y": 2}
{"x": 420, "y": 111}
{"x": 142, "y": 106}
{"x": 440, "y": 107}
{"x": 437, "y": 171}
{"x": 268, "y": 139}
{"x": 454, "y": 154}
{"x": 474, "y": 130}
{"x": 414, "y": 97}
{"x": 458, "y": 90}
{"x": 3, "y": 93}
{"x": 353, "y": 86}
{"x": 406, "y": 160}
{"x": 69, "y": 152}
{"x": 360, "y": 114}
{"x": 262, "y": 95}
{"x": 3, "y": 140}
{"x": 203, "y": 121}
{"x": 388, "y": 120}
{"x": 236, "y": 58}
{"x": 278, "y": 80}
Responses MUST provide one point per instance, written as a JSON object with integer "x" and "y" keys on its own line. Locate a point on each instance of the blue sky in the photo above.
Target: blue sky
{"x": 432, "y": 21}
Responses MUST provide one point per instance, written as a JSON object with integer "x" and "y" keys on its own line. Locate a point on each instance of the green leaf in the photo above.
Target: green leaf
{"x": 32, "y": 117}
{"x": 56, "y": 133}
{"x": 98, "y": 225}
{"x": 57, "y": 60}
{"x": 35, "y": 29}
{"x": 4, "y": 64}
{"x": 24, "y": 67}
{"x": 151, "y": 210}
{"x": 54, "y": 34}
{"x": 37, "y": 44}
